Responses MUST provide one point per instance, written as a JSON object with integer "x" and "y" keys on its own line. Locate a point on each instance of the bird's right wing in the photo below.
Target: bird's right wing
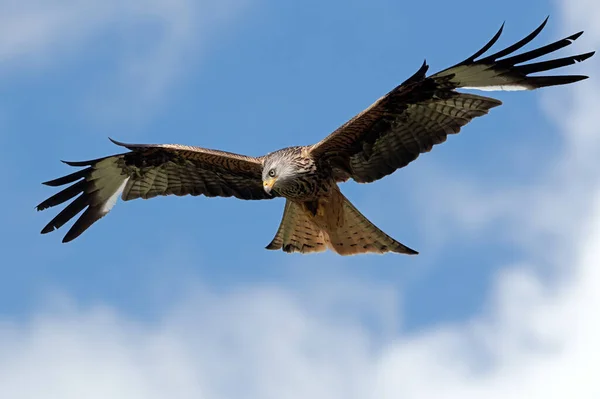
{"x": 147, "y": 171}
{"x": 424, "y": 110}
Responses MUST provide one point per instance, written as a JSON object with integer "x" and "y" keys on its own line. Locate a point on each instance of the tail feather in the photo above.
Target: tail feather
{"x": 359, "y": 235}
{"x": 336, "y": 225}
{"x": 297, "y": 233}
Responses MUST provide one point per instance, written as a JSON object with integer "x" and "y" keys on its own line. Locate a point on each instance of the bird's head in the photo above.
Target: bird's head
{"x": 278, "y": 171}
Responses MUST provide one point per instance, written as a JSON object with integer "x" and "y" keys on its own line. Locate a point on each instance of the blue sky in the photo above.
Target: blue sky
{"x": 500, "y": 213}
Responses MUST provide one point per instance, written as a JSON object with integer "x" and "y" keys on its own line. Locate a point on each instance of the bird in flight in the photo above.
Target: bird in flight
{"x": 391, "y": 133}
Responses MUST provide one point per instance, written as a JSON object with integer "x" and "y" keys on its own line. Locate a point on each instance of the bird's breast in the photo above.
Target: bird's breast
{"x": 307, "y": 187}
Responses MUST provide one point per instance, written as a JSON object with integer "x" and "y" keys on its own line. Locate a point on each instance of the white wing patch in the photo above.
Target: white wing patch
{"x": 112, "y": 200}
{"x": 485, "y": 78}
{"x": 507, "y": 87}
{"x": 109, "y": 180}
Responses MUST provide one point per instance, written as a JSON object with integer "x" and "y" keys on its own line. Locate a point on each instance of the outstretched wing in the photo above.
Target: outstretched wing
{"x": 423, "y": 111}
{"x": 149, "y": 170}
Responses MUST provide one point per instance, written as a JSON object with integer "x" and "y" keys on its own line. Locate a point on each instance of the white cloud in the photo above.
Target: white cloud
{"x": 536, "y": 338}
{"x": 154, "y": 42}
{"x": 261, "y": 343}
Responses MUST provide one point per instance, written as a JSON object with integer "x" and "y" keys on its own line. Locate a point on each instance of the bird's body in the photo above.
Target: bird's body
{"x": 391, "y": 133}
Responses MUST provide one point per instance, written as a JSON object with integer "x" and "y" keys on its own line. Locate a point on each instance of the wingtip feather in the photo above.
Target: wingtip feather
{"x": 70, "y": 178}
{"x": 121, "y": 144}
{"x": 485, "y": 48}
{"x": 408, "y": 251}
{"x": 47, "y": 229}
{"x": 117, "y": 142}
{"x": 575, "y": 36}
{"x": 77, "y": 163}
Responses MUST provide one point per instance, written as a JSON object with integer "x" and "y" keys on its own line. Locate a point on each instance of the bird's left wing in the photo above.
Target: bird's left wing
{"x": 147, "y": 171}
{"x": 423, "y": 111}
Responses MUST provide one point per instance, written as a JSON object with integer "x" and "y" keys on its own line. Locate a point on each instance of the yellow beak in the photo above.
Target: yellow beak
{"x": 268, "y": 185}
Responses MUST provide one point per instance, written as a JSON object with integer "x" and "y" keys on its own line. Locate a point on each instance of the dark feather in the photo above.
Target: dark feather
{"x": 63, "y": 196}
{"x": 552, "y": 64}
{"x": 485, "y": 48}
{"x": 87, "y": 218}
{"x": 68, "y": 178}
{"x": 67, "y": 214}
{"x": 514, "y": 47}
{"x": 539, "y": 52}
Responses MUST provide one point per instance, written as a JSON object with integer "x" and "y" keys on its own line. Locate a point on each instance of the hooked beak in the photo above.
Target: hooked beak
{"x": 268, "y": 185}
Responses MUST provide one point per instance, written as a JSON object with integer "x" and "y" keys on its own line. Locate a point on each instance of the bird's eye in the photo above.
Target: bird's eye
{"x": 272, "y": 173}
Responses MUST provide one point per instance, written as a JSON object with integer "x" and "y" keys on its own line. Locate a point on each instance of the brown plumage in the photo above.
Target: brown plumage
{"x": 391, "y": 133}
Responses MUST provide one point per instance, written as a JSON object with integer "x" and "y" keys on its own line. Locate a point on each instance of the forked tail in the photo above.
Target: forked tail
{"x": 336, "y": 225}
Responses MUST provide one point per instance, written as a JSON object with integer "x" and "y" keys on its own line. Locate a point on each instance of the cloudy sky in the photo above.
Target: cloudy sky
{"x": 176, "y": 297}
